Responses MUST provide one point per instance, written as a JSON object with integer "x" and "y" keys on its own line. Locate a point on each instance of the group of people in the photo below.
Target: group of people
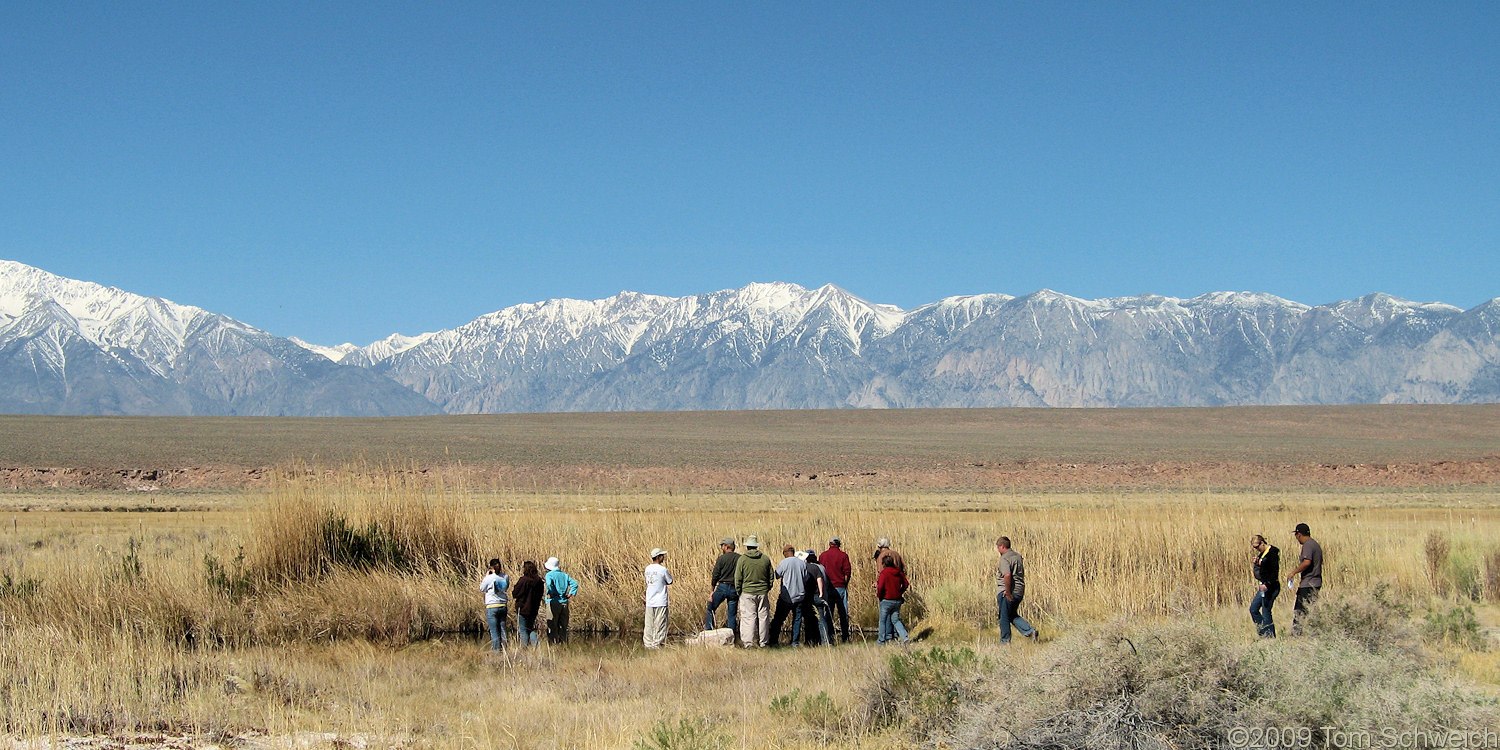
{"x": 557, "y": 590}
{"x": 814, "y": 587}
{"x": 1265, "y": 568}
{"x": 813, "y": 591}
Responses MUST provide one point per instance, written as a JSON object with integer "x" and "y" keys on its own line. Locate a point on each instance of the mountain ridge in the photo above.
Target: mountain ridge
{"x": 764, "y": 345}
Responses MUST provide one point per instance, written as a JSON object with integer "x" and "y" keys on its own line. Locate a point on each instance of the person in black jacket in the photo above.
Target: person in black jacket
{"x": 722, "y": 579}
{"x": 1266, "y": 567}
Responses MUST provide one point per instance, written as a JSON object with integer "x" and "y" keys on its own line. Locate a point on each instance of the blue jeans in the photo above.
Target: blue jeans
{"x": 527, "y": 626}
{"x": 785, "y": 606}
{"x": 1008, "y": 616}
{"x": 1260, "y": 611}
{"x": 841, "y": 603}
{"x": 723, "y": 593}
{"x": 890, "y": 621}
{"x": 495, "y": 616}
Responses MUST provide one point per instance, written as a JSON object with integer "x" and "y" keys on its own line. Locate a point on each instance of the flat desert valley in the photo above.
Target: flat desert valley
{"x": 267, "y": 582}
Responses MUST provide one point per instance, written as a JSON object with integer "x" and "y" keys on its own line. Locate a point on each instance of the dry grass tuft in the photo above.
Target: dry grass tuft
{"x": 311, "y": 526}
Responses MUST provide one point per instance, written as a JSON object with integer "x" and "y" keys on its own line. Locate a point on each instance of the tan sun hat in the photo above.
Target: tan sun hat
{"x": 752, "y": 541}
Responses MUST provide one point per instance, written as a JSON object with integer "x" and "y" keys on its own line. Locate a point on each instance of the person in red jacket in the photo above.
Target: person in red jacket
{"x": 890, "y": 588}
{"x": 836, "y": 562}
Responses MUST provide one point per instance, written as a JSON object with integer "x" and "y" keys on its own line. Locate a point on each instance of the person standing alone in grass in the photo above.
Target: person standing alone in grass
{"x": 560, "y": 589}
{"x": 1010, "y": 581}
{"x": 835, "y": 563}
{"x": 494, "y": 588}
{"x": 1266, "y": 569}
{"x": 752, "y": 578}
{"x": 890, "y": 589}
{"x": 528, "y": 596}
{"x": 658, "y": 578}
{"x": 722, "y": 579}
{"x": 1311, "y": 569}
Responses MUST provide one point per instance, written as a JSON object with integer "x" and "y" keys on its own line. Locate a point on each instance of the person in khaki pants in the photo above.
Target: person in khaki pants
{"x": 752, "y": 578}
{"x": 658, "y": 578}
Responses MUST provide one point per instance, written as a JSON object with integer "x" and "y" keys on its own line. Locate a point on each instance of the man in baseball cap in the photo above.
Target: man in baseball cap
{"x": 1311, "y": 569}
{"x": 836, "y": 563}
{"x": 722, "y": 579}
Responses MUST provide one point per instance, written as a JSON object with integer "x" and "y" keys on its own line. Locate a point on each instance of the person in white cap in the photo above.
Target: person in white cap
{"x": 560, "y": 588}
{"x": 658, "y": 578}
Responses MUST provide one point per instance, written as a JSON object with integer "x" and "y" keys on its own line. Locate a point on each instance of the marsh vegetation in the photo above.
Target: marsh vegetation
{"x": 345, "y": 603}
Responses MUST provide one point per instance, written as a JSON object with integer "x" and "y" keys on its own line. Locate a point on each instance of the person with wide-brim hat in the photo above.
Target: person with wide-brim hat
{"x": 752, "y": 578}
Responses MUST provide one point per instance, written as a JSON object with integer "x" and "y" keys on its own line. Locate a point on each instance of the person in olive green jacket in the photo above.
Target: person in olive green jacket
{"x": 752, "y": 578}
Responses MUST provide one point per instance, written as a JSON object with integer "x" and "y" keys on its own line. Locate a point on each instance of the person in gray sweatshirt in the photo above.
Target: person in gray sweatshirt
{"x": 793, "y": 574}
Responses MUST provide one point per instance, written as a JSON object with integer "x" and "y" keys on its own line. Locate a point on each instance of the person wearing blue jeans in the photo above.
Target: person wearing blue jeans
{"x": 1009, "y": 617}
{"x": 526, "y": 626}
{"x": 1010, "y": 581}
{"x": 836, "y": 564}
{"x": 1266, "y": 570}
{"x": 840, "y": 604}
{"x": 495, "y": 618}
{"x": 722, "y": 579}
{"x": 494, "y": 588}
{"x": 527, "y": 594}
{"x": 890, "y": 589}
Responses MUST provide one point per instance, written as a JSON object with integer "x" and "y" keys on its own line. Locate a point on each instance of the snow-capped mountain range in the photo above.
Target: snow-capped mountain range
{"x": 75, "y": 347}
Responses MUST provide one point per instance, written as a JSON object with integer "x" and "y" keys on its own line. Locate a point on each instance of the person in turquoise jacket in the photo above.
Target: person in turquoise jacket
{"x": 560, "y": 588}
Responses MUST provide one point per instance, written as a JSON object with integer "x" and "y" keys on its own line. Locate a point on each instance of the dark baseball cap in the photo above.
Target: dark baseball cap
{"x": 1302, "y": 529}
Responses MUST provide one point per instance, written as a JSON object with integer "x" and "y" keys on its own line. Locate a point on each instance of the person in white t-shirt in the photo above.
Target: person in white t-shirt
{"x": 658, "y": 578}
{"x": 496, "y": 600}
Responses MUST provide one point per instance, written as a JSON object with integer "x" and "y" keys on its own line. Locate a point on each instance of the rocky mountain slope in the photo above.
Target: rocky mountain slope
{"x": 76, "y": 347}
{"x": 73, "y": 347}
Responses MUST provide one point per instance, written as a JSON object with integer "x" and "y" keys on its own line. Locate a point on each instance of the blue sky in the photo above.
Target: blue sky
{"x": 341, "y": 171}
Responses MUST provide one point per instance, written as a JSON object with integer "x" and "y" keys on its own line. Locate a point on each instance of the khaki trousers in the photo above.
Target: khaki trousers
{"x": 755, "y": 620}
{"x": 655, "y": 633}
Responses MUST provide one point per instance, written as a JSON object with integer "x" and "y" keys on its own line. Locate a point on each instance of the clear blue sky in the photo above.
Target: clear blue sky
{"x": 340, "y": 171}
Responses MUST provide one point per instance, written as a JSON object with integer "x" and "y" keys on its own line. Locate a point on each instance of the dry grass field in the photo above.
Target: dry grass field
{"x": 225, "y": 616}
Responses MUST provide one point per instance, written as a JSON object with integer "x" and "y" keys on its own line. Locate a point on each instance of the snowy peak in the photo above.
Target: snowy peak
{"x": 108, "y": 317}
{"x": 75, "y": 347}
{"x": 333, "y": 353}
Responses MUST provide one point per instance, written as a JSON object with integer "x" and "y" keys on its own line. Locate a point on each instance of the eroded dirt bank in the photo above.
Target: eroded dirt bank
{"x": 962, "y": 476}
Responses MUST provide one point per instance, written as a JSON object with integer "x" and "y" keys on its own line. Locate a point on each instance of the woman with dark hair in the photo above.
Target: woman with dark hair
{"x": 820, "y": 592}
{"x": 890, "y": 588}
{"x": 494, "y": 588}
{"x": 528, "y": 596}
